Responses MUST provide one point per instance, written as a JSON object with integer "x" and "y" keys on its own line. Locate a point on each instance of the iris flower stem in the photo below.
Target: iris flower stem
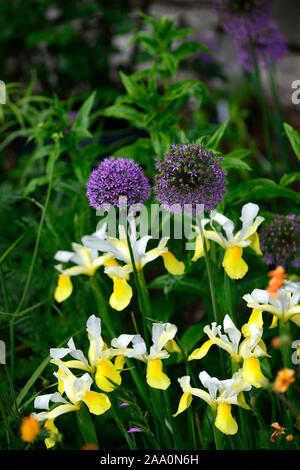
{"x": 102, "y": 305}
{"x": 142, "y": 290}
{"x": 228, "y": 296}
{"x": 216, "y": 432}
{"x": 52, "y": 159}
{"x": 285, "y": 343}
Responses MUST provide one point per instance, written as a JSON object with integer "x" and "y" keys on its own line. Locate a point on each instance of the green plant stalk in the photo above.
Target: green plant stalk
{"x": 35, "y": 252}
{"x": 285, "y": 343}
{"x": 102, "y": 306}
{"x": 228, "y": 296}
{"x": 216, "y": 432}
{"x": 130, "y": 442}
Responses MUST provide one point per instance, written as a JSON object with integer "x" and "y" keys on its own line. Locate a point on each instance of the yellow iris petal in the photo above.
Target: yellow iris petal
{"x": 252, "y": 373}
{"x": 274, "y": 322}
{"x": 172, "y": 265}
{"x": 184, "y": 403}
{"x": 155, "y": 376}
{"x": 255, "y": 245}
{"x": 97, "y": 403}
{"x": 171, "y": 346}
{"x": 256, "y": 318}
{"x": 224, "y": 419}
{"x": 201, "y": 352}
{"x": 199, "y": 250}
{"x": 53, "y": 432}
{"x": 119, "y": 362}
{"x": 121, "y": 295}
{"x": 233, "y": 263}
{"x": 106, "y": 373}
{"x": 64, "y": 288}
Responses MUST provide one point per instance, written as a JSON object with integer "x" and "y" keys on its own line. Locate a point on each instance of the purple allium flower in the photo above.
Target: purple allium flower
{"x": 269, "y": 46}
{"x": 117, "y": 178}
{"x": 189, "y": 174}
{"x": 242, "y": 18}
{"x": 134, "y": 430}
{"x": 280, "y": 241}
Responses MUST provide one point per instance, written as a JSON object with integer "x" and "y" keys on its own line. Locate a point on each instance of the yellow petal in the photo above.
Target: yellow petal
{"x": 256, "y": 318}
{"x": 242, "y": 401}
{"x": 201, "y": 352}
{"x": 224, "y": 419}
{"x": 106, "y": 370}
{"x": 60, "y": 387}
{"x": 171, "y": 346}
{"x": 53, "y": 432}
{"x": 274, "y": 322}
{"x": 255, "y": 245}
{"x": 155, "y": 376}
{"x": 233, "y": 263}
{"x": 121, "y": 295}
{"x": 97, "y": 403}
{"x": 64, "y": 288}
{"x": 119, "y": 362}
{"x": 172, "y": 265}
{"x": 252, "y": 373}
{"x": 184, "y": 403}
{"x": 199, "y": 251}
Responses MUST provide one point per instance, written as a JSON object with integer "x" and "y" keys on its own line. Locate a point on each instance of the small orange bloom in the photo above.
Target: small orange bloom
{"x": 278, "y": 430}
{"x": 277, "y": 276}
{"x": 290, "y": 437}
{"x": 276, "y": 342}
{"x": 284, "y": 378}
{"x": 89, "y": 447}
{"x": 30, "y": 428}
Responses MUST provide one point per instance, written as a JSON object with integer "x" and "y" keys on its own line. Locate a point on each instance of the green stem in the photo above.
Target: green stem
{"x": 228, "y": 296}
{"x": 52, "y": 160}
{"x": 102, "y": 306}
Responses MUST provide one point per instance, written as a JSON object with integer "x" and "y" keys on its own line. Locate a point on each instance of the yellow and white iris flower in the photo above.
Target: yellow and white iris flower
{"x": 162, "y": 337}
{"x": 99, "y": 362}
{"x": 86, "y": 262}
{"x": 220, "y": 396}
{"x": 120, "y": 249}
{"x": 122, "y": 291}
{"x": 247, "y": 351}
{"x": 284, "y": 307}
{"x": 233, "y": 262}
{"x": 78, "y": 391}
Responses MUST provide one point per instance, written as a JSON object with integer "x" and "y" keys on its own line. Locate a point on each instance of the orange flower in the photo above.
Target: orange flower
{"x": 30, "y": 428}
{"x": 283, "y": 380}
{"x": 276, "y": 342}
{"x": 277, "y": 276}
{"x": 89, "y": 447}
{"x": 278, "y": 430}
{"x": 290, "y": 437}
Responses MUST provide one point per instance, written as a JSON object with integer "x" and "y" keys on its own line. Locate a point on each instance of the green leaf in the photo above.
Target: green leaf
{"x": 34, "y": 183}
{"x": 81, "y": 123}
{"x": 232, "y": 162}
{"x": 294, "y": 138}
{"x": 86, "y": 426}
{"x": 188, "y": 48}
{"x": 214, "y": 140}
{"x": 290, "y": 178}
{"x": 121, "y": 111}
{"x": 192, "y": 336}
{"x": 259, "y": 189}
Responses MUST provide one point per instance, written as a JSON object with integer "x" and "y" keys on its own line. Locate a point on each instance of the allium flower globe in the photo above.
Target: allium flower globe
{"x": 192, "y": 175}
{"x": 280, "y": 241}
{"x": 117, "y": 178}
{"x": 242, "y": 18}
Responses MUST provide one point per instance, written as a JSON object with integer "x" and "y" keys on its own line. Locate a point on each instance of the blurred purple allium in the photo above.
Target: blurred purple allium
{"x": 269, "y": 46}
{"x": 117, "y": 178}
{"x": 280, "y": 241}
{"x": 134, "y": 430}
{"x": 189, "y": 174}
{"x": 242, "y": 18}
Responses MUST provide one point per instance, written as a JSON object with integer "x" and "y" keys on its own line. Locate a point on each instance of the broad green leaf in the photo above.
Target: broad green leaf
{"x": 259, "y": 189}
{"x": 192, "y": 336}
{"x": 34, "y": 183}
{"x": 290, "y": 178}
{"x": 188, "y": 48}
{"x": 122, "y": 111}
{"x": 231, "y": 162}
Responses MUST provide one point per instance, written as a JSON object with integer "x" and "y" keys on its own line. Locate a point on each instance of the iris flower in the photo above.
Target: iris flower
{"x": 233, "y": 263}
{"x": 119, "y": 250}
{"x": 220, "y": 396}
{"x": 284, "y": 307}
{"x": 162, "y": 337}
{"x": 86, "y": 262}
{"x": 77, "y": 390}
{"x": 247, "y": 351}
{"x": 99, "y": 362}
